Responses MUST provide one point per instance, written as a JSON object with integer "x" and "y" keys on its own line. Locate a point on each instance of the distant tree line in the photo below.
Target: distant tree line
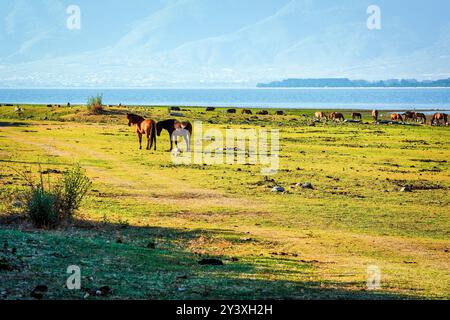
{"x": 347, "y": 83}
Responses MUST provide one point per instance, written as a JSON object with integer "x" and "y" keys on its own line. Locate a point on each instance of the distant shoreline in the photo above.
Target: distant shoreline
{"x": 325, "y": 109}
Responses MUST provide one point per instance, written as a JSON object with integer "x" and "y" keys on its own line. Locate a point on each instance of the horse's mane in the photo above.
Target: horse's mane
{"x": 135, "y": 118}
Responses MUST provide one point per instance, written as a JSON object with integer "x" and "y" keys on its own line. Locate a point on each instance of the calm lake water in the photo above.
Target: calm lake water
{"x": 348, "y": 98}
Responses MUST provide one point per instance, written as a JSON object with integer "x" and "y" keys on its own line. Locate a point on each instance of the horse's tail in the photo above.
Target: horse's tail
{"x": 153, "y": 137}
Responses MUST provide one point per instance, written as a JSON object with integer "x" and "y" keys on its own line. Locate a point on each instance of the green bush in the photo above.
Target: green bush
{"x": 73, "y": 187}
{"x": 42, "y": 208}
{"x": 47, "y": 206}
{"x": 95, "y": 104}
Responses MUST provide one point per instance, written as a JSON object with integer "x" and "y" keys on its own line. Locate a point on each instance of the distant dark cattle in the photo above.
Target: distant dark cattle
{"x": 231, "y": 111}
{"x": 356, "y": 116}
{"x": 175, "y": 109}
{"x": 263, "y": 112}
{"x": 280, "y": 113}
{"x": 247, "y": 111}
{"x": 210, "y": 109}
{"x": 49, "y": 106}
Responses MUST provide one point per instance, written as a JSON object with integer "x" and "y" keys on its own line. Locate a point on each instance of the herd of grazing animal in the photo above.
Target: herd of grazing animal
{"x": 150, "y": 129}
{"x": 436, "y": 119}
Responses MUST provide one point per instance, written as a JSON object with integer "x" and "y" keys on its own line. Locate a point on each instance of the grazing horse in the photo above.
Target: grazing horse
{"x": 280, "y": 113}
{"x": 409, "y": 115}
{"x": 356, "y": 115}
{"x": 332, "y": 115}
{"x": 396, "y": 117}
{"x": 263, "y": 112}
{"x": 422, "y": 117}
{"x": 339, "y": 116}
{"x": 247, "y": 111}
{"x": 437, "y": 117}
{"x": 173, "y": 125}
{"x": 143, "y": 126}
{"x": 375, "y": 115}
{"x": 320, "y": 115}
{"x": 231, "y": 111}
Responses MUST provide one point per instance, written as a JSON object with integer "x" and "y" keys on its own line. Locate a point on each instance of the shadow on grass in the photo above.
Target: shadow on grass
{"x": 156, "y": 263}
{"x": 13, "y": 124}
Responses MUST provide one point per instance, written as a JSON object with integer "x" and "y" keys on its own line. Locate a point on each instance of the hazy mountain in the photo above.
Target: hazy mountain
{"x": 203, "y": 42}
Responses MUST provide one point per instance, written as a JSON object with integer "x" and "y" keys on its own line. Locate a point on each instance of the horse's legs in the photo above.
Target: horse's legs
{"x": 140, "y": 141}
{"x": 171, "y": 141}
{"x": 148, "y": 141}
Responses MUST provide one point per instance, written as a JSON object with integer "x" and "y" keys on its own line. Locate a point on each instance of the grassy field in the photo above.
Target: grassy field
{"x": 147, "y": 222}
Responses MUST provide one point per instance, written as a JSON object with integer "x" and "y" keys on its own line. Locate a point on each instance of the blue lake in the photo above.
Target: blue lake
{"x": 348, "y": 98}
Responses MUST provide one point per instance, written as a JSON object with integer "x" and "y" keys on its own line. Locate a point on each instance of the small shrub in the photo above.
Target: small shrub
{"x": 95, "y": 104}
{"x": 47, "y": 205}
{"x": 73, "y": 187}
{"x": 42, "y": 208}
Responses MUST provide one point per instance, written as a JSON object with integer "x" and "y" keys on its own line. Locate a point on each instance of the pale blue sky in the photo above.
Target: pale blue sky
{"x": 179, "y": 43}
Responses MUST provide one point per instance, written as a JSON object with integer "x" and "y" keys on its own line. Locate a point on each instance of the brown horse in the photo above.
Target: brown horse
{"x": 143, "y": 126}
{"x": 375, "y": 115}
{"x": 332, "y": 115}
{"x": 320, "y": 115}
{"x": 339, "y": 116}
{"x": 396, "y": 117}
{"x": 422, "y": 117}
{"x": 409, "y": 115}
{"x": 247, "y": 111}
{"x": 262, "y": 112}
{"x": 437, "y": 117}
{"x": 356, "y": 115}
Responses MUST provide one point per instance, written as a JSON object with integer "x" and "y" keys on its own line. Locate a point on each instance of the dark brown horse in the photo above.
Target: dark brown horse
{"x": 143, "y": 127}
{"x": 409, "y": 115}
{"x": 422, "y": 117}
{"x": 356, "y": 115}
{"x": 396, "y": 117}
{"x": 375, "y": 115}
{"x": 170, "y": 126}
{"x": 339, "y": 116}
{"x": 437, "y": 117}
